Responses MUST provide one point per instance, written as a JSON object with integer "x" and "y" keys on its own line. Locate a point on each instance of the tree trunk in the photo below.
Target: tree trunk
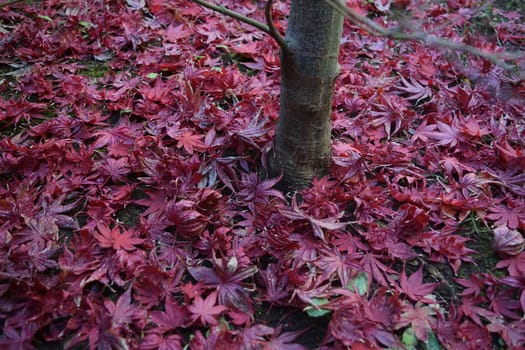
{"x": 309, "y": 68}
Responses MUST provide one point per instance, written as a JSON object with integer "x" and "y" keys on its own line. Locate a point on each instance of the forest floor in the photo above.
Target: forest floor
{"x": 133, "y": 214}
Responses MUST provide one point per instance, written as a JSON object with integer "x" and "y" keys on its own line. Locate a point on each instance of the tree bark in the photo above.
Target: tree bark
{"x": 309, "y": 68}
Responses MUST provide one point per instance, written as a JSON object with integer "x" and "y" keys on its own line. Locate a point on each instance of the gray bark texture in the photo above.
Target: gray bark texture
{"x": 309, "y": 68}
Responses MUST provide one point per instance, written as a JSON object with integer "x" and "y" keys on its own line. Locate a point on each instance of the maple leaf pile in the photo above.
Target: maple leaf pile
{"x": 134, "y": 213}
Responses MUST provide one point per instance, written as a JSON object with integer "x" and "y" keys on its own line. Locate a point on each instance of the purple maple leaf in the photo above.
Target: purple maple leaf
{"x": 173, "y": 317}
{"x": 227, "y": 278}
{"x": 123, "y": 311}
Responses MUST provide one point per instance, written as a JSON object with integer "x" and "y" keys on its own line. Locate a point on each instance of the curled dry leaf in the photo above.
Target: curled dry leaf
{"x": 508, "y": 242}
{"x": 207, "y": 200}
{"x": 189, "y": 223}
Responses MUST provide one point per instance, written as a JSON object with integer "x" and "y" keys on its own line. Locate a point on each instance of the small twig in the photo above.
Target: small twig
{"x": 10, "y": 2}
{"x": 425, "y": 38}
{"x": 273, "y": 31}
{"x": 370, "y": 25}
{"x": 254, "y": 23}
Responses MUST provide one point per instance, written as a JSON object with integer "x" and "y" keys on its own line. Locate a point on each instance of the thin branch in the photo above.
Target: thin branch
{"x": 425, "y": 38}
{"x": 254, "y": 23}
{"x": 10, "y": 2}
{"x": 273, "y": 31}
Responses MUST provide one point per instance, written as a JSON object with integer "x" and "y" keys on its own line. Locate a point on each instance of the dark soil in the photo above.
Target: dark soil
{"x": 291, "y": 320}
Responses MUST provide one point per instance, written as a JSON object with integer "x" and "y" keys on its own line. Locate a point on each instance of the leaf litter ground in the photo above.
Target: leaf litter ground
{"x": 133, "y": 215}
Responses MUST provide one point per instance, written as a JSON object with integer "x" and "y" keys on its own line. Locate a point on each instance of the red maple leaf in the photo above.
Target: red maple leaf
{"x": 470, "y": 307}
{"x": 348, "y": 158}
{"x": 116, "y": 169}
{"x": 383, "y": 308}
{"x": 205, "y": 311}
{"x": 329, "y": 223}
{"x": 452, "y": 163}
{"x": 189, "y": 141}
{"x": 472, "y": 128}
{"x": 36, "y": 233}
{"x": 227, "y": 278}
{"x": 423, "y": 132}
{"x": 249, "y": 129}
{"x": 173, "y": 317}
{"x": 414, "y": 287}
{"x": 123, "y": 311}
{"x": 174, "y": 33}
{"x": 156, "y": 203}
{"x": 506, "y": 216}
{"x": 155, "y": 341}
{"x": 282, "y": 341}
{"x": 375, "y": 268}
{"x": 337, "y": 264}
{"x": 472, "y": 286}
{"x": 55, "y": 209}
{"x": 450, "y": 247}
{"x": 447, "y": 135}
{"x": 511, "y": 155}
{"x": 13, "y": 338}
{"x": 124, "y": 133}
{"x": 113, "y": 238}
{"x": 160, "y": 92}
{"x": 254, "y": 191}
{"x": 515, "y": 265}
{"x": 276, "y": 284}
{"x": 191, "y": 291}
{"x": 415, "y": 90}
{"x": 420, "y": 318}
{"x": 389, "y": 111}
